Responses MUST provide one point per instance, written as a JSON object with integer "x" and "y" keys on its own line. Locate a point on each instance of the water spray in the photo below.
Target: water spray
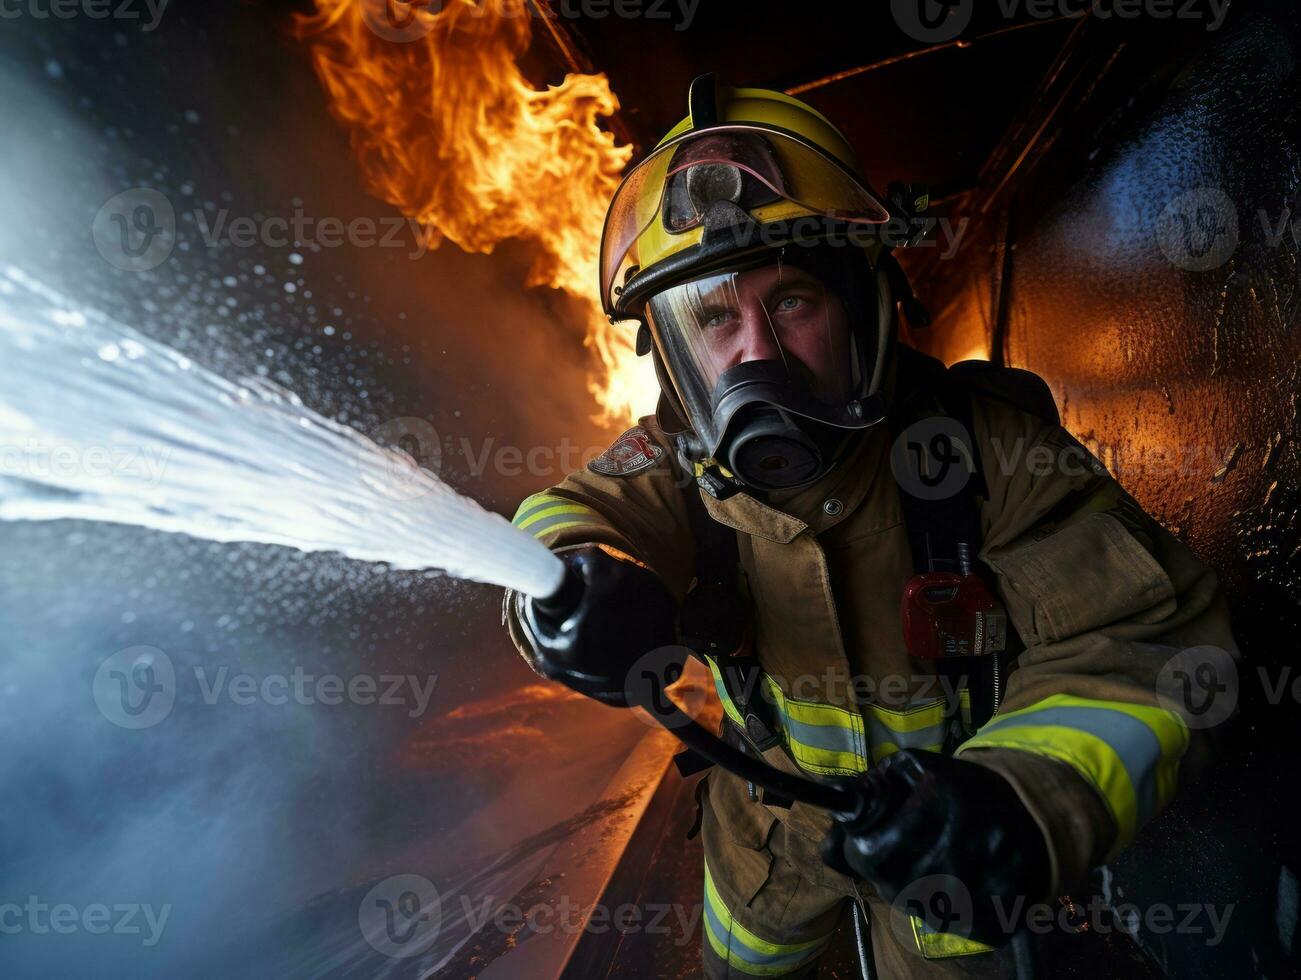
{"x": 99, "y": 422}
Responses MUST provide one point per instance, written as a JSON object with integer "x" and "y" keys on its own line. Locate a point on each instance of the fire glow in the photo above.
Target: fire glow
{"x": 447, "y": 129}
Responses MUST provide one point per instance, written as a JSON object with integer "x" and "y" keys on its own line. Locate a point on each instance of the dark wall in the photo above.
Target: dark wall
{"x": 1143, "y": 260}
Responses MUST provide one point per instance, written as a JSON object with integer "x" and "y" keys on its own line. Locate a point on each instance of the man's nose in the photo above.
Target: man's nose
{"x": 758, "y": 342}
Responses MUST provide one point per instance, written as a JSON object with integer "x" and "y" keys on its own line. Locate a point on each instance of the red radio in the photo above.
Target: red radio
{"x": 952, "y": 615}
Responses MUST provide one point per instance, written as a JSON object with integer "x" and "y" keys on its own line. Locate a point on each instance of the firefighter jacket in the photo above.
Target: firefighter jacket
{"x": 1101, "y": 596}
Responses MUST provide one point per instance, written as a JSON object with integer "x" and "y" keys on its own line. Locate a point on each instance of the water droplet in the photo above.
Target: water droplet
{"x": 69, "y": 318}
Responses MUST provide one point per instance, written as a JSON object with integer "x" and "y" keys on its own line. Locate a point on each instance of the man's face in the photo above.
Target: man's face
{"x": 779, "y": 313}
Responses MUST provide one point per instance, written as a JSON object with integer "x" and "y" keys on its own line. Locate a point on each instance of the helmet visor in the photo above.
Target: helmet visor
{"x": 774, "y": 333}
{"x": 771, "y": 175}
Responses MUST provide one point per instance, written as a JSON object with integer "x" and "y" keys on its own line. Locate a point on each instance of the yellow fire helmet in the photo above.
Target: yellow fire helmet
{"x": 756, "y": 259}
{"x": 749, "y": 170}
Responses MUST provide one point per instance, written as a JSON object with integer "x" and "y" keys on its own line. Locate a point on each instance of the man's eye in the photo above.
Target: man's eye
{"x": 715, "y": 320}
{"x": 789, "y": 303}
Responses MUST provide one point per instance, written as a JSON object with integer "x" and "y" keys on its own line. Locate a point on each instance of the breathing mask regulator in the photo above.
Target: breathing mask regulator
{"x": 758, "y": 263}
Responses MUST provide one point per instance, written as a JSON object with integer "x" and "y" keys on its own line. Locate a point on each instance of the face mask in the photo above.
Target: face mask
{"x": 768, "y": 369}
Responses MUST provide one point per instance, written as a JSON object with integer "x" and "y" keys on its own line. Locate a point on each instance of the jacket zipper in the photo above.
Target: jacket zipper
{"x": 998, "y": 680}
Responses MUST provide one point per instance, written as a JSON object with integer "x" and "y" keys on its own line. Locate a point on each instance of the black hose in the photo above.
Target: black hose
{"x": 1023, "y": 953}
{"x": 752, "y": 770}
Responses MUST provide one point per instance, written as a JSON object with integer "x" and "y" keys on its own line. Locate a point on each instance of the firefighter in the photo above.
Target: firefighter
{"x": 980, "y": 647}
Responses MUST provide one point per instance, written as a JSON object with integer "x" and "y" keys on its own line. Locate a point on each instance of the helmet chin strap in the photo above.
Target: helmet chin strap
{"x": 885, "y": 332}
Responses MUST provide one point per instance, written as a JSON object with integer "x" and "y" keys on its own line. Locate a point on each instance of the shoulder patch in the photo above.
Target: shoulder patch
{"x": 632, "y": 452}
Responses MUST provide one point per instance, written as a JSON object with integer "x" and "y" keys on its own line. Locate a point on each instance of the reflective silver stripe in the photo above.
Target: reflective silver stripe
{"x": 746, "y": 951}
{"x": 922, "y": 738}
{"x": 1135, "y": 744}
{"x": 832, "y": 738}
{"x": 769, "y": 962}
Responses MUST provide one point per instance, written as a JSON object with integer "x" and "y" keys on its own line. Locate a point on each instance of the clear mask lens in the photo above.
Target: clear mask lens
{"x": 774, "y": 334}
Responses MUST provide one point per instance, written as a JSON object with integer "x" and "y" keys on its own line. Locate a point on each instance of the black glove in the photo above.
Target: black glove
{"x": 927, "y": 814}
{"x": 609, "y": 614}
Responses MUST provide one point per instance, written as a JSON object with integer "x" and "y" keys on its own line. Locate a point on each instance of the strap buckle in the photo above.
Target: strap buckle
{"x": 759, "y": 733}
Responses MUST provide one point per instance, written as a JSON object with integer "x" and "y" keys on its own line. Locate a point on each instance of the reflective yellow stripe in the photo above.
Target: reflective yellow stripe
{"x": 1129, "y": 753}
{"x": 538, "y": 515}
{"x": 922, "y": 726}
{"x": 914, "y": 718}
{"x": 545, "y": 513}
{"x": 822, "y": 738}
{"x": 529, "y": 504}
{"x": 746, "y": 952}
{"x": 936, "y": 945}
{"x": 562, "y": 526}
{"x": 729, "y": 708}
{"x": 826, "y": 740}
{"x": 541, "y": 504}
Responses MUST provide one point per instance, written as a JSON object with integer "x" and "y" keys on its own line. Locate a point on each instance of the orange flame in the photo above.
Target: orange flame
{"x": 448, "y": 130}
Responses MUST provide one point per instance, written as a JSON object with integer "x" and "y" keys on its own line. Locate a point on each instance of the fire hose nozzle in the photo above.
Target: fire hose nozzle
{"x": 562, "y": 604}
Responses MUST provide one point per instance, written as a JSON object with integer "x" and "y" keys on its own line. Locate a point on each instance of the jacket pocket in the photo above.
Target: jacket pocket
{"x": 743, "y": 821}
{"x": 1086, "y": 575}
{"x": 736, "y": 832}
